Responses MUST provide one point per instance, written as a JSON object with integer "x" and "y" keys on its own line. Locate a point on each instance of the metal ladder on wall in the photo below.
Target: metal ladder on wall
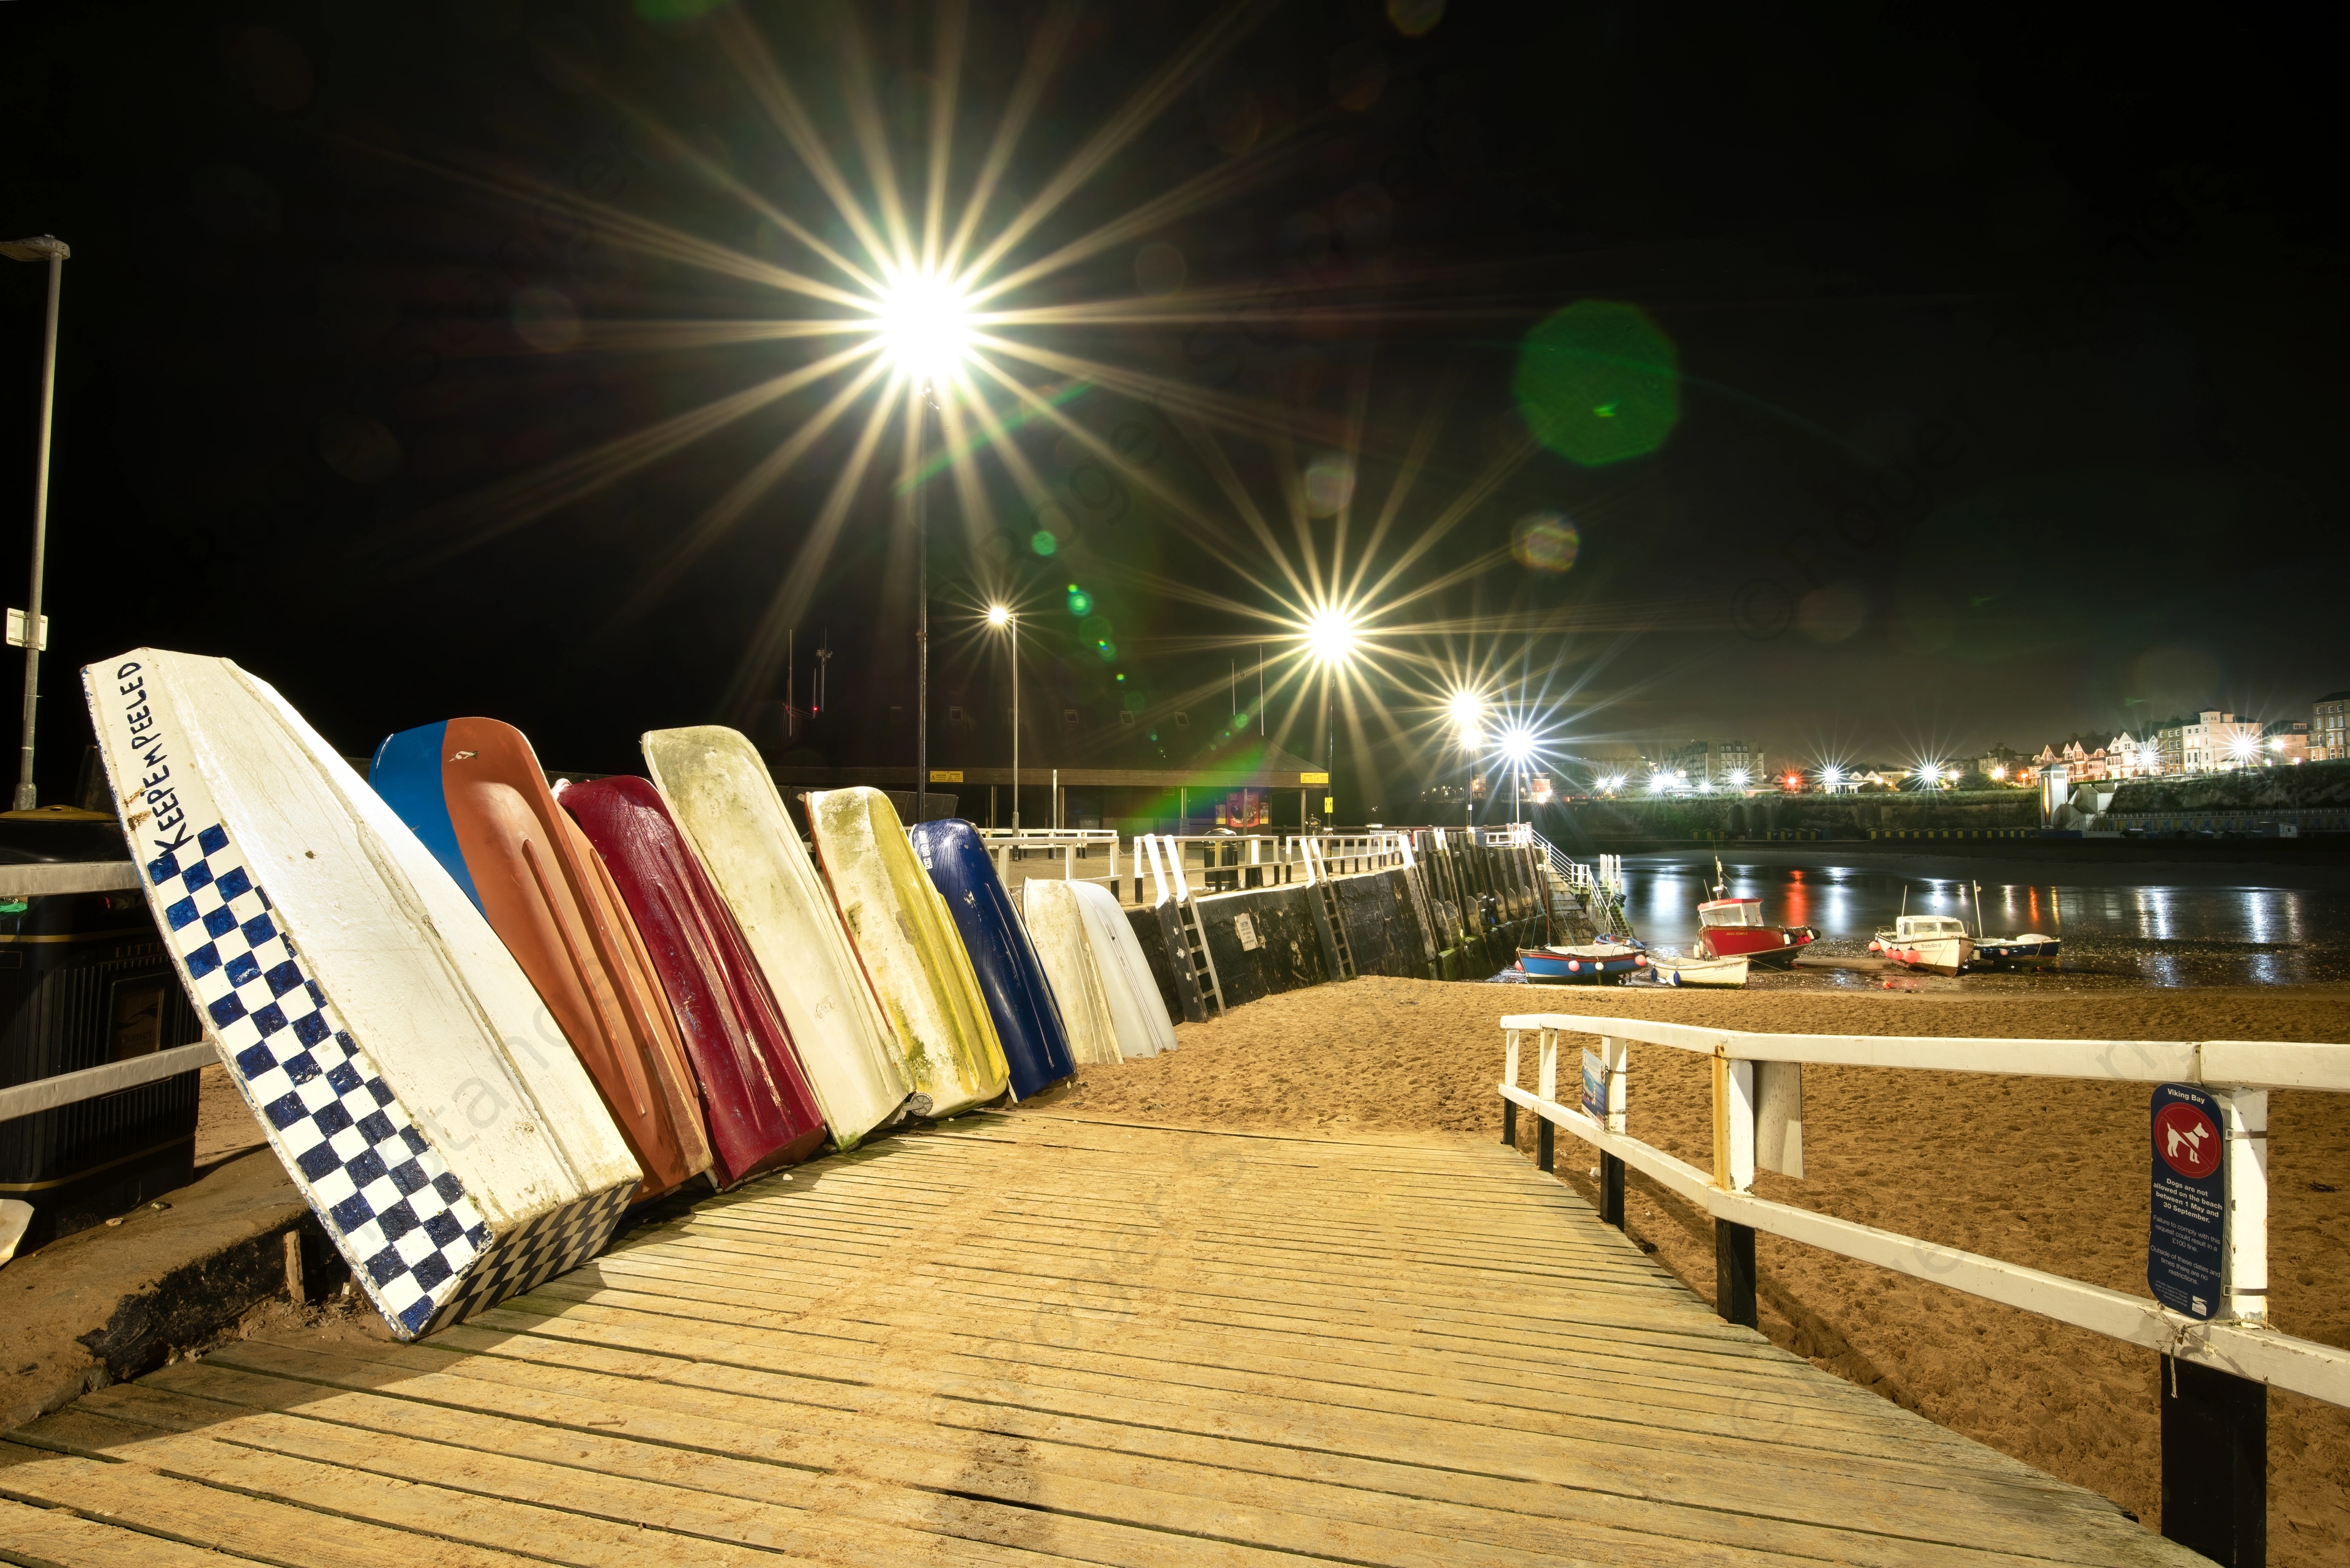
{"x": 1179, "y": 914}
{"x": 1195, "y": 944}
{"x": 1332, "y": 920}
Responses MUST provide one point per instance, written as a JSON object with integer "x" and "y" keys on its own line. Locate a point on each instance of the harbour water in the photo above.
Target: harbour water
{"x": 2129, "y": 923}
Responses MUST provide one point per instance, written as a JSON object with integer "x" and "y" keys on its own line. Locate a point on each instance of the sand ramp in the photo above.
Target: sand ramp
{"x": 1030, "y": 1335}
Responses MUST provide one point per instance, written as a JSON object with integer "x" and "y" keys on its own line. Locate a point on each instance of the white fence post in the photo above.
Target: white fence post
{"x": 1544, "y": 1151}
{"x": 2244, "y": 1265}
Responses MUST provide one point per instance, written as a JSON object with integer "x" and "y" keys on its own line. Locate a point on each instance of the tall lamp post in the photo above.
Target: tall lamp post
{"x": 53, "y": 251}
{"x": 1008, "y": 620}
{"x": 924, "y": 324}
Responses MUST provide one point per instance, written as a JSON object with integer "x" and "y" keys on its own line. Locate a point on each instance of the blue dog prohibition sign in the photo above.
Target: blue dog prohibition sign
{"x": 2188, "y": 1215}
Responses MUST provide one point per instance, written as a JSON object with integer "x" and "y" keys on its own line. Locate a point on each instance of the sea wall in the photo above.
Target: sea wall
{"x": 2310, "y": 786}
{"x": 1699, "y": 818}
{"x": 1422, "y": 922}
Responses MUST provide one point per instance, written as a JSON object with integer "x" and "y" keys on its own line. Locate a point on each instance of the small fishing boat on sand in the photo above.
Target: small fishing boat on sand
{"x": 2000, "y": 952}
{"x": 1733, "y": 927}
{"x": 1595, "y": 963}
{"x": 1671, "y": 969}
{"x": 1939, "y": 944}
{"x": 1019, "y": 999}
{"x": 2005, "y": 952}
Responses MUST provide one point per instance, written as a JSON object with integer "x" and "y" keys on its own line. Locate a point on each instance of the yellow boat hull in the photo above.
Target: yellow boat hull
{"x": 906, "y": 935}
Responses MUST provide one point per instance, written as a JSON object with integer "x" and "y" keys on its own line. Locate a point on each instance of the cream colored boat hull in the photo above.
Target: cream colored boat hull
{"x": 906, "y": 935}
{"x": 1136, "y": 1007}
{"x": 1064, "y": 947}
{"x": 723, "y": 796}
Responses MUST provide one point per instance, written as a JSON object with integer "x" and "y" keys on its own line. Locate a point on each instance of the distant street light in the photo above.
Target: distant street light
{"x": 1738, "y": 778}
{"x": 53, "y": 251}
{"x": 1831, "y": 776}
{"x": 1005, "y": 619}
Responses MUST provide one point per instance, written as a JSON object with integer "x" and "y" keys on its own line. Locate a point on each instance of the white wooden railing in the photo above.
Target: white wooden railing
{"x": 1757, "y": 1112}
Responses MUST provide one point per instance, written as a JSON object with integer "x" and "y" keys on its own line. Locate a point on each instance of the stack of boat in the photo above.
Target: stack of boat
{"x": 480, "y": 1016}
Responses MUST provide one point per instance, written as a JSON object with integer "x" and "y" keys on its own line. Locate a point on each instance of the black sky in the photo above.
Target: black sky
{"x": 2009, "y": 352}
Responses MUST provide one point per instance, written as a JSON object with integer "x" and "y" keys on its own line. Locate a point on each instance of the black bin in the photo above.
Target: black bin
{"x": 85, "y": 981}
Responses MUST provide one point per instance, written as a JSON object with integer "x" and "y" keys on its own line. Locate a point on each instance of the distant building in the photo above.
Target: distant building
{"x": 2284, "y": 743}
{"x": 2001, "y": 764}
{"x": 2126, "y": 757}
{"x": 2217, "y": 741}
{"x": 1724, "y": 764}
{"x": 2329, "y": 728}
{"x": 2171, "y": 747}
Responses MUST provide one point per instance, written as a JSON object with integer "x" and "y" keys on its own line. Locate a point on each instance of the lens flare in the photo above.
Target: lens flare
{"x": 1329, "y": 486}
{"x": 1600, "y": 382}
{"x": 1545, "y": 542}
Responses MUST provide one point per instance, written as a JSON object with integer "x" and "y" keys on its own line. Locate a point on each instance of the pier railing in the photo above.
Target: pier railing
{"x": 1758, "y": 1121}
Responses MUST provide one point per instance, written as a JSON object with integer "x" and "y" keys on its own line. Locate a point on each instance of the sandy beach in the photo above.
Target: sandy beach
{"x": 2045, "y": 1172}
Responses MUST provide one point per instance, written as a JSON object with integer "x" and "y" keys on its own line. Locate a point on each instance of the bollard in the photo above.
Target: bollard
{"x": 1733, "y": 1273}
{"x": 2215, "y": 1463}
{"x": 1611, "y": 1190}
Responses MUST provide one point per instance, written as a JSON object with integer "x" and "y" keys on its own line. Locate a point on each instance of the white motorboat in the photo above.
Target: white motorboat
{"x": 1693, "y": 970}
{"x": 1939, "y": 944}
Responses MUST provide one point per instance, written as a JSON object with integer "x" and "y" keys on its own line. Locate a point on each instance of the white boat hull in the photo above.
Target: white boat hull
{"x": 1935, "y": 955}
{"x": 1056, "y": 923}
{"x": 723, "y": 796}
{"x": 1723, "y": 972}
{"x": 1135, "y": 1006}
{"x": 398, "y": 1061}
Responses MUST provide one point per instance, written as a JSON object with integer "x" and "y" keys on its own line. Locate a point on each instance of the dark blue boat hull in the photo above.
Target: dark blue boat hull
{"x": 1019, "y": 999}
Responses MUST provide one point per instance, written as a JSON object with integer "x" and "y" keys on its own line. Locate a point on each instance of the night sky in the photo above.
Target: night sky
{"x": 1965, "y": 379}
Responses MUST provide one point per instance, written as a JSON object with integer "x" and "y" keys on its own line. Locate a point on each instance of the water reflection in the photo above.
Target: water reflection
{"x": 2160, "y": 935}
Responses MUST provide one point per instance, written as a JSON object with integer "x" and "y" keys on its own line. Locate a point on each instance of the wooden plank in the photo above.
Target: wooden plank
{"x": 1764, "y": 1481}
{"x": 60, "y": 1538}
{"x": 1128, "y": 1345}
{"x": 235, "y": 1521}
{"x": 481, "y": 1498}
{"x": 1537, "y": 1516}
{"x": 1121, "y": 1513}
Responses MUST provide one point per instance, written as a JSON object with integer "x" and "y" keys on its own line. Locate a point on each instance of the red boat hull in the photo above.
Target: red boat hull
{"x": 1764, "y": 946}
{"x": 761, "y": 1112}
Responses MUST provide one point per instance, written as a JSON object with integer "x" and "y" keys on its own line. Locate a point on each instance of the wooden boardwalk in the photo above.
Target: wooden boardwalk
{"x": 1028, "y": 1337}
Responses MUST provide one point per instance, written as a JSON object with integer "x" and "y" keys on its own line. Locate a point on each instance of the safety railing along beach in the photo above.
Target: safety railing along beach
{"x": 2213, "y": 1436}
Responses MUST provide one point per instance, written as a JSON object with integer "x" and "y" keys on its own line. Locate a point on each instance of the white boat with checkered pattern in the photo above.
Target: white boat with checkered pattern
{"x": 399, "y": 1063}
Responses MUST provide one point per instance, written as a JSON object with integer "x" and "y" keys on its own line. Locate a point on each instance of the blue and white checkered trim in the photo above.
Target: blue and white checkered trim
{"x": 400, "y": 1218}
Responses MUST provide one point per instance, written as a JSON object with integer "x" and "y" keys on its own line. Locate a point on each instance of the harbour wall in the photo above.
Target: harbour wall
{"x": 1604, "y": 823}
{"x": 1427, "y": 921}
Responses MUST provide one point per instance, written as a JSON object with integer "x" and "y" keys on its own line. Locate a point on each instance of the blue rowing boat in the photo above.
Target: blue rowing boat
{"x": 1603, "y": 963}
{"x": 1019, "y": 999}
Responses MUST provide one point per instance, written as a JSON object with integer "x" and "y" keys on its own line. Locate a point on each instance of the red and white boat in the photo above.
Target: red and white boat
{"x": 1733, "y": 927}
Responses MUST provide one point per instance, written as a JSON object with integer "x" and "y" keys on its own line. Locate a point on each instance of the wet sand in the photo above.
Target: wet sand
{"x": 2051, "y": 1173}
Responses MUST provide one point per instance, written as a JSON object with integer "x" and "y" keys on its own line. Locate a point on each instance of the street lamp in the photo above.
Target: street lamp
{"x": 1330, "y": 637}
{"x": 1005, "y": 619}
{"x": 53, "y": 251}
{"x": 924, "y": 325}
{"x": 1517, "y": 746}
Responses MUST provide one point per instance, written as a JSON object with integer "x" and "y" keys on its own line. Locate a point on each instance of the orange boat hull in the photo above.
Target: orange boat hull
{"x": 551, "y": 900}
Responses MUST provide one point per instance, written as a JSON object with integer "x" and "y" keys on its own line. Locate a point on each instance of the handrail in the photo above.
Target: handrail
{"x": 2239, "y": 1073}
{"x": 112, "y": 1078}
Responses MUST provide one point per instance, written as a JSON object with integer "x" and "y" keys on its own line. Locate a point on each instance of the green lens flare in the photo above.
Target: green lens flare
{"x": 1043, "y": 542}
{"x": 1600, "y": 382}
{"x": 1081, "y": 603}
